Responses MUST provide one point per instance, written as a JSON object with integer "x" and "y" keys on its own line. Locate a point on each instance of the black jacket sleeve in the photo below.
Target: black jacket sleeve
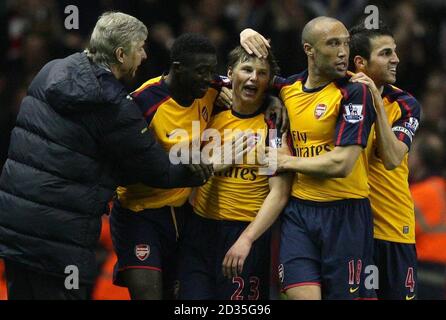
{"x": 147, "y": 162}
{"x": 125, "y": 138}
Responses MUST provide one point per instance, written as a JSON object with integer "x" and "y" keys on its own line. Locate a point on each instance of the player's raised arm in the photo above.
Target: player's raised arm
{"x": 390, "y": 148}
{"x": 254, "y": 43}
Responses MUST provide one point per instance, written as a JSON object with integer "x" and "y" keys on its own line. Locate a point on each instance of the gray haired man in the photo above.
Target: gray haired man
{"x": 78, "y": 136}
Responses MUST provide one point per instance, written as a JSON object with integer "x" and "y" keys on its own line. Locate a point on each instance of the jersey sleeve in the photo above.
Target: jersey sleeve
{"x": 219, "y": 82}
{"x": 277, "y": 85}
{"x": 406, "y": 126}
{"x": 356, "y": 116}
{"x": 149, "y": 100}
{"x": 279, "y": 82}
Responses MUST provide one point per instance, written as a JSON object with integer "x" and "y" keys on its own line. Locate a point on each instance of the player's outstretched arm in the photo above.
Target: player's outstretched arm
{"x": 391, "y": 150}
{"x": 337, "y": 163}
{"x": 142, "y": 159}
{"x": 274, "y": 203}
{"x": 227, "y": 156}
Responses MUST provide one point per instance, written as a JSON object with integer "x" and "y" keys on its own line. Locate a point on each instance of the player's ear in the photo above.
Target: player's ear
{"x": 308, "y": 49}
{"x": 230, "y": 73}
{"x": 360, "y": 63}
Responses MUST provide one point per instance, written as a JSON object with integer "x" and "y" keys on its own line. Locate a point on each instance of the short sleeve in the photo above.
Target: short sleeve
{"x": 356, "y": 115}
{"x": 406, "y": 126}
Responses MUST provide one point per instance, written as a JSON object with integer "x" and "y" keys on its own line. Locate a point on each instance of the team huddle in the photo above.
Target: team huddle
{"x": 330, "y": 177}
{"x": 339, "y": 192}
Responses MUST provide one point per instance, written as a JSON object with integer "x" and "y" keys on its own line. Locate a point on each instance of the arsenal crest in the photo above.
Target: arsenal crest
{"x": 319, "y": 111}
{"x": 142, "y": 251}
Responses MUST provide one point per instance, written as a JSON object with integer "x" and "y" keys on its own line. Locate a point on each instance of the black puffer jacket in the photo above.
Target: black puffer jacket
{"x": 77, "y": 137}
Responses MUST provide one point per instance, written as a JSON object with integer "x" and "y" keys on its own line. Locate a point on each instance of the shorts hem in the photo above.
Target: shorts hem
{"x": 140, "y": 267}
{"x": 300, "y": 284}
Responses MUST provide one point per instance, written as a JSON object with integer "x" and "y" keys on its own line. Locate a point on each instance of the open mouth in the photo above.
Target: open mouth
{"x": 250, "y": 90}
{"x": 392, "y": 70}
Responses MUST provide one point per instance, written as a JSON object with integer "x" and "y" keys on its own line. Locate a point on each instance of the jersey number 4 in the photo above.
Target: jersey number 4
{"x": 410, "y": 279}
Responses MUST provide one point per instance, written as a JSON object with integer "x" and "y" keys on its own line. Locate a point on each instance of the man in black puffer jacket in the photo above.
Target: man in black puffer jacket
{"x": 78, "y": 136}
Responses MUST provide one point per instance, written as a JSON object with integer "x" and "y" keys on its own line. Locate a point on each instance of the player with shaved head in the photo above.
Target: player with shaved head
{"x": 327, "y": 228}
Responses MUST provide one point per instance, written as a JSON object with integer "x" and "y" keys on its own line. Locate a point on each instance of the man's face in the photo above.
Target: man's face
{"x": 133, "y": 59}
{"x": 381, "y": 67}
{"x": 250, "y": 80}
{"x": 196, "y": 75}
{"x": 331, "y": 51}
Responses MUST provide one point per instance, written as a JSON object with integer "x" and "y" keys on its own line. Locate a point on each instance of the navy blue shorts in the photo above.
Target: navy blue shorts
{"x": 397, "y": 264}
{"x": 327, "y": 244}
{"x": 146, "y": 240}
{"x": 202, "y": 250}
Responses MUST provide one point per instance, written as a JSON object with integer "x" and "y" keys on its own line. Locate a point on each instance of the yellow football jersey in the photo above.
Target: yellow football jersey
{"x": 237, "y": 193}
{"x": 171, "y": 123}
{"x": 392, "y": 204}
{"x": 340, "y": 113}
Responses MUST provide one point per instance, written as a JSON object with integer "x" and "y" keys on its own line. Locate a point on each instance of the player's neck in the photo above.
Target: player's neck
{"x": 116, "y": 71}
{"x": 381, "y": 89}
{"x": 177, "y": 91}
{"x": 379, "y": 86}
{"x": 315, "y": 80}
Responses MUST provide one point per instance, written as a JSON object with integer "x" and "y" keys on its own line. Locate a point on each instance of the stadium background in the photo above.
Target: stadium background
{"x": 33, "y": 32}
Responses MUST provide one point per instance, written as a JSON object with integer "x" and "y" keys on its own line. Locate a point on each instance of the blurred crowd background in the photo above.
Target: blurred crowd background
{"x": 33, "y": 33}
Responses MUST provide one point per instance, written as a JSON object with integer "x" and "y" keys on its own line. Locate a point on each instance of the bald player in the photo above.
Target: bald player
{"x": 327, "y": 229}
